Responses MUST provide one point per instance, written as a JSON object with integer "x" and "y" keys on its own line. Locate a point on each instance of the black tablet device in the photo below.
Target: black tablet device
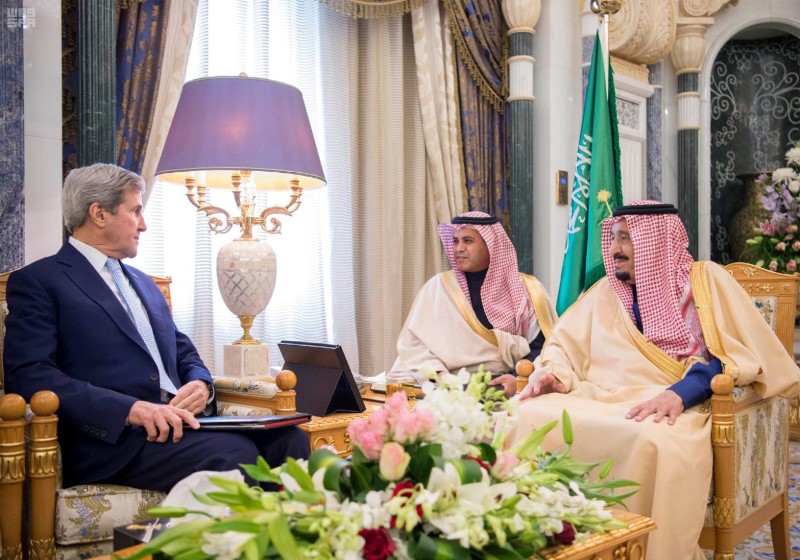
{"x": 325, "y": 383}
{"x": 251, "y": 422}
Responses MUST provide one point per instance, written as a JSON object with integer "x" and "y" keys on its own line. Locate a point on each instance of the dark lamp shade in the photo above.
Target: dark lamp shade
{"x": 225, "y": 124}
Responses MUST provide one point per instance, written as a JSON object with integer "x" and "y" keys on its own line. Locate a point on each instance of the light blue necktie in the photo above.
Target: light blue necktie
{"x": 139, "y": 318}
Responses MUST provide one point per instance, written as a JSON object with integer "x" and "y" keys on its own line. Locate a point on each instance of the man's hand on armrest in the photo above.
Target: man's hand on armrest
{"x": 158, "y": 419}
{"x": 542, "y": 384}
{"x": 667, "y": 404}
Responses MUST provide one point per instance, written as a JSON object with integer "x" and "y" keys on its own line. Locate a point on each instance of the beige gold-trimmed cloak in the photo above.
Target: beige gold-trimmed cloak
{"x": 608, "y": 366}
{"x": 443, "y": 331}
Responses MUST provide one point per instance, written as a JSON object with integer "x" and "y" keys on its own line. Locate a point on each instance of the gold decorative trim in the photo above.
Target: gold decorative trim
{"x": 42, "y": 549}
{"x": 368, "y": 9}
{"x": 723, "y": 513}
{"x": 12, "y": 467}
{"x": 723, "y": 434}
{"x": 702, "y": 302}
{"x": 723, "y": 556}
{"x": 12, "y": 552}
{"x": 656, "y": 355}
{"x": 637, "y": 527}
{"x": 636, "y": 552}
{"x": 456, "y": 295}
{"x": 621, "y": 552}
{"x": 321, "y": 441}
{"x": 43, "y": 462}
{"x": 539, "y": 300}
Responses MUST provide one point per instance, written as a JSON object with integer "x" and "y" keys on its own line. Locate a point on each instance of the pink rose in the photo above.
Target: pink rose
{"x": 413, "y": 426}
{"x": 792, "y": 228}
{"x": 367, "y": 440}
{"x": 780, "y": 246}
{"x": 796, "y": 246}
{"x": 773, "y": 266}
{"x": 791, "y": 265}
{"x": 393, "y": 462}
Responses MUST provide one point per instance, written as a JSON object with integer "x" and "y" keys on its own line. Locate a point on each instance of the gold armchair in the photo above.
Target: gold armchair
{"x": 48, "y": 521}
{"x": 751, "y": 476}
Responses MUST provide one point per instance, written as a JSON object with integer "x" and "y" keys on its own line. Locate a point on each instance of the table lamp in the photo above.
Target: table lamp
{"x": 242, "y": 134}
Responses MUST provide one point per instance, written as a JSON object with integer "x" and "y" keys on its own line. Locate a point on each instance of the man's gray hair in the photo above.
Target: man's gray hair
{"x": 103, "y": 183}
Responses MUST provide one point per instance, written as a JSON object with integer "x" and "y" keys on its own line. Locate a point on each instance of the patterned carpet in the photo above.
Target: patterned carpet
{"x": 760, "y": 544}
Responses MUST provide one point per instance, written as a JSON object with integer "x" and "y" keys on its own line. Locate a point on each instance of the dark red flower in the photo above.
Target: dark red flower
{"x": 404, "y": 490}
{"x": 378, "y": 544}
{"x": 567, "y": 534}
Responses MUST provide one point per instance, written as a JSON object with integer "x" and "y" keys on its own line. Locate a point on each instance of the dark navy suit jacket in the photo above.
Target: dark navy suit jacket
{"x": 67, "y": 332}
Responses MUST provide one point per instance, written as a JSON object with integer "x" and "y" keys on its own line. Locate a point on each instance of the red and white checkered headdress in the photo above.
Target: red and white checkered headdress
{"x": 503, "y": 294}
{"x": 661, "y": 269}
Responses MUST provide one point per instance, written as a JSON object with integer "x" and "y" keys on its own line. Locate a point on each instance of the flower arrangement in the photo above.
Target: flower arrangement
{"x": 776, "y": 245}
{"x": 428, "y": 482}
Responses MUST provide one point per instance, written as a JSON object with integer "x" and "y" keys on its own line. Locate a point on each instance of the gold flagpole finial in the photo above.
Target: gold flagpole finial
{"x": 606, "y": 7}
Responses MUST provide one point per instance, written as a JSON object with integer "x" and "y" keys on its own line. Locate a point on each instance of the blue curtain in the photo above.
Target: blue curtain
{"x": 141, "y": 33}
{"x": 479, "y": 32}
{"x": 12, "y": 138}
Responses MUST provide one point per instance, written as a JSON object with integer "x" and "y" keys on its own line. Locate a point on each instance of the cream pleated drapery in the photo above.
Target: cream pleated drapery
{"x": 438, "y": 95}
{"x": 351, "y": 260}
{"x": 180, "y": 28}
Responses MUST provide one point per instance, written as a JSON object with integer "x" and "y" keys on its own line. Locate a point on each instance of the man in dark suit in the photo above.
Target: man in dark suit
{"x": 101, "y": 336}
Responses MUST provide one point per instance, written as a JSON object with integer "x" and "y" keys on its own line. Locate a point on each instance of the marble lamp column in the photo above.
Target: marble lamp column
{"x": 521, "y": 16}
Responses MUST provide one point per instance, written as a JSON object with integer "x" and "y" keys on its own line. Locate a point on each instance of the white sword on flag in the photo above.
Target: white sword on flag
{"x": 604, "y": 8}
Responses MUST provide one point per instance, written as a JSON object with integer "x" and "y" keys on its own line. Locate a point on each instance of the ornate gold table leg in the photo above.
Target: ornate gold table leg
{"x": 12, "y": 474}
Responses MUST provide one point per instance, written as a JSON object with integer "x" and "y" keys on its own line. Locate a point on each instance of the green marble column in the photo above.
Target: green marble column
{"x": 96, "y": 82}
{"x": 520, "y": 123}
{"x": 688, "y": 133}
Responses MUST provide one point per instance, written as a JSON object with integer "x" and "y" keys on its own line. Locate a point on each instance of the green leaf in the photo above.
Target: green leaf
{"x": 566, "y": 427}
{"x": 470, "y": 471}
{"x": 236, "y": 525}
{"x": 424, "y": 547}
{"x": 194, "y": 554}
{"x": 495, "y": 552}
{"x": 251, "y": 551}
{"x": 167, "y": 511}
{"x": 282, "y": 538}
{"x": 297, "y": 473}
{"x": 421, "y": 464}
{"x": 227, "y": 484}
{"x": 334, "y": 474}
{"x": 261, "y": 472}
{"x": 186, "y": 529}
{"x": 604, "y": 472}
{"x": 177, "y": 546}
{"x": 528, "y": 446}
{"x": 360, "y": 479}
{"x": 488, "y": 453}
{"x": 309, "y": 497}
{"x": 320, "y": 459}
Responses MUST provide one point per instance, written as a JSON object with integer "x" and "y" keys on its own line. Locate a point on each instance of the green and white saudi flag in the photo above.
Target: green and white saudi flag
{"x": 597, "y": 188}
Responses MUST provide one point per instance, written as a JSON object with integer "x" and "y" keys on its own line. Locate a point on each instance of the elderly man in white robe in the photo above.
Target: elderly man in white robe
{"x": 632, "y": 362}
{"x": 482, "y": 312}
